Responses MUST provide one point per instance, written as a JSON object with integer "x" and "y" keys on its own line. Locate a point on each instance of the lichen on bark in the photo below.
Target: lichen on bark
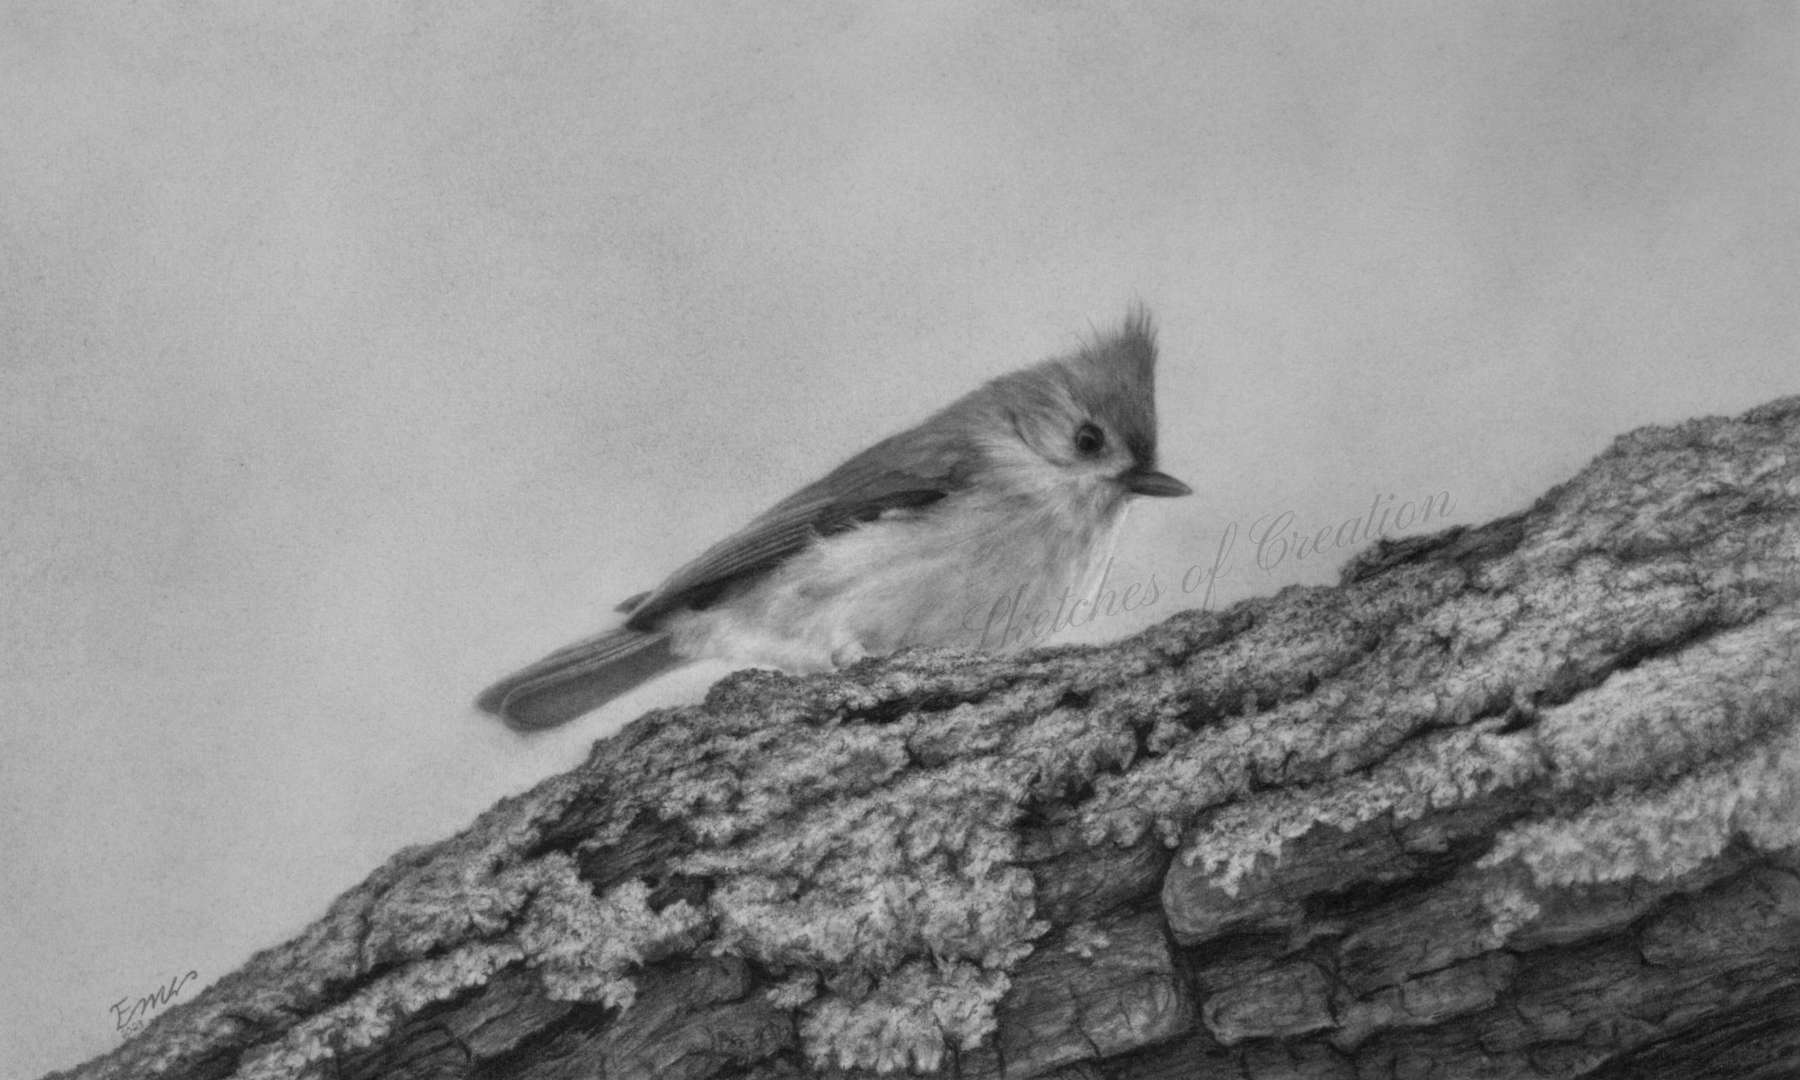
{"x": 1521, "y": 799}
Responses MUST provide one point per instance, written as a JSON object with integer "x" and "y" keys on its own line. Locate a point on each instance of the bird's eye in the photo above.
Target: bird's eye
{"x": 1089, "y": 439}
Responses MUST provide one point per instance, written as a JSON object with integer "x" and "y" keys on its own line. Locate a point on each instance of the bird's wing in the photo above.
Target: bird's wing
{"x": 899, "y": 473}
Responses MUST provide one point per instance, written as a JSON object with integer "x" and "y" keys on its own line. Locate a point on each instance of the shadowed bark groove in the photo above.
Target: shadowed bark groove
{"x": 1520, "y": 800}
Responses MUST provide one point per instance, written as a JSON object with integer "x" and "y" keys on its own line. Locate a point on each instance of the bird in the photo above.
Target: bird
{"x": 1015, "y": 489}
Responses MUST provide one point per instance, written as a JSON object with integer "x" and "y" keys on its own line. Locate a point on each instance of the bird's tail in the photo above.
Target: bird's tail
{"x": 579, "y": 678}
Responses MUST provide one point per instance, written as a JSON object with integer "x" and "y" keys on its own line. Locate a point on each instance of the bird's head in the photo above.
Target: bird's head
{"x": 1086, "y": 421}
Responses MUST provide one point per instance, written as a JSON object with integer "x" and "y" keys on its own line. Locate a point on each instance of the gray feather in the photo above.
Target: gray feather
{"x": 578, "y": 679}
{"x": 855, "y": 492}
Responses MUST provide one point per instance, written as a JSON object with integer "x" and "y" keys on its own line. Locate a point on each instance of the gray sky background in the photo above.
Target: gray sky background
{"x": 350, "y": 357}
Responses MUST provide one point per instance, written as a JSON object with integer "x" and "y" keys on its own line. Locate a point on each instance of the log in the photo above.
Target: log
{"x": 1517, "y": 800}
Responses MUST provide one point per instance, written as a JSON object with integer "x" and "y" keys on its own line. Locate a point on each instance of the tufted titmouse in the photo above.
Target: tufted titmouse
{"x": 1018, "y": 485}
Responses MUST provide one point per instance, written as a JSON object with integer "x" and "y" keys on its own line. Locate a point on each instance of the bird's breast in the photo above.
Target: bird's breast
{"x": 972, "y": 571}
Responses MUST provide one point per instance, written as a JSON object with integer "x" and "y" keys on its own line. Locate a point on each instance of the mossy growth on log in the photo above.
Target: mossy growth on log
{"x": 1519, "y": 800}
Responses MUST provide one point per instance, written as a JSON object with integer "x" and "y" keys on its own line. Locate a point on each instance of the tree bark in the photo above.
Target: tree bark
{"x": 1520, "y": 800}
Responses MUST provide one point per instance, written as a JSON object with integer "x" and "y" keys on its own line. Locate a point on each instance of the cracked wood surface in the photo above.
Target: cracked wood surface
{"x": 1520, "y": 800}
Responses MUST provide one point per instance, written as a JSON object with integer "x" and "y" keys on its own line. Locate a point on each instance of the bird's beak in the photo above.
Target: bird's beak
{"x": 1142, "y": 481}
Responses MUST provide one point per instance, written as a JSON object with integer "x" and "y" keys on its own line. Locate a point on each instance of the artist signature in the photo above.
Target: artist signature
{"x": 131, "y": 1014}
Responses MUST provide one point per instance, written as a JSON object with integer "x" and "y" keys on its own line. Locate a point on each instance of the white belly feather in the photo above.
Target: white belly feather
{"x": 922, "y": 577}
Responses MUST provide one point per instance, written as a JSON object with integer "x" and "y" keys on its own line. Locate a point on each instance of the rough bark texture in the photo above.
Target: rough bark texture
{"x": 1520, "y": 800}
